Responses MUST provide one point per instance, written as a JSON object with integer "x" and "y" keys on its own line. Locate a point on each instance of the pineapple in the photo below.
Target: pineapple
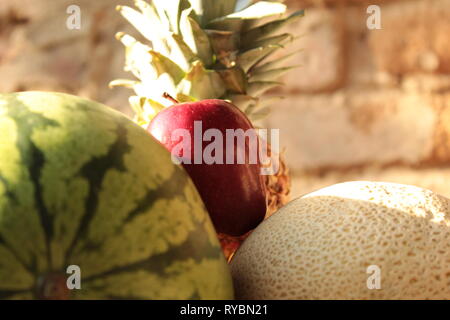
{"x": 208, "y": 49}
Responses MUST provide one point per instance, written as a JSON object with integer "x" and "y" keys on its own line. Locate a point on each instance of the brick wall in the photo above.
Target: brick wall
{"x": 37, "y": 51}
{"x": 368, "y": 104}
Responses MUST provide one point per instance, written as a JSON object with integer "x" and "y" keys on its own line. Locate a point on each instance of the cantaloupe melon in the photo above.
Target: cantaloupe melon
{"x": 321, "y": 246}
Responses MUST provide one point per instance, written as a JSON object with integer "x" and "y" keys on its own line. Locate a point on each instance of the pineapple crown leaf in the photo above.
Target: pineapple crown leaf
{"x": 196, "y": 38}
{"x": 257, "y": 88}
{"x": 257, "y": 10}
{"x": 208, "y": 10}
{"x": 275, "y": 63}
{"x": 250, "y": 108}
{"x": 164, "y": 65}
{"x": 268, "y": 41}
{"x": 270, "y": 74}
{"x": 137, "y": 56}
{"x": 180, "y": 53}
{"x": 260, "y": 114}
{"x": 250, "y": 58}
{"x": 242, "y": 4}
{"x": 234, "y": 79}
{"x": 203, "y": 49}
{"x": 185, "y": 98}
{"x": 202, "y": 83}
{"x": 145, "y": 109}
{"x": 136, "y": 104}
{"x": 267, "y": 29}
{"x": 223, "y": 41}
{"x": 122, "y": 83}
{"x": 148, "y": 24}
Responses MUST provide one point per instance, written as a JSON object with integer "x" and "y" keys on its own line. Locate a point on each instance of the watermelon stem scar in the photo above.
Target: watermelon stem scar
{"x": 52, "y": 286}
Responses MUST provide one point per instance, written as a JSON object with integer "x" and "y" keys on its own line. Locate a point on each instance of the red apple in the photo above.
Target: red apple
{"x": 233, "y": 191}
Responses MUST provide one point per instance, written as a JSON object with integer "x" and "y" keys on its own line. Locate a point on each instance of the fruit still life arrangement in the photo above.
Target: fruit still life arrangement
{"x": 95, "y": 205}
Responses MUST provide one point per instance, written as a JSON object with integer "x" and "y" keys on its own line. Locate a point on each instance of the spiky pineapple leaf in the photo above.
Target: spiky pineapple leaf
{"x": 242, "y": 101}
{"x": 258, "y": 10}
{"x": 147, "y": 23}
{"x": 233, "y": 21}
{"x": 201, "y": 83}
{"x": 223, "y": 41}
{"x": 151, "y": 109}
{"x": 270, "y": 100}
{"x": 268, "y": 29}
{"x": 138, "y": 58}
{"x": 251, "y": 57}
{"x": 185, "y": 98}
{"x": 260, "y": 104}
{"x": 183, "y": 5}
{"x": 279, "y": 39}
{"x": 122, "y": 83}
{"x": 160, "y": 8}
{"x": 180, "y": 53}
{"x": 233, "y": 25}
{"x": 156, "y": 72}
{"x": 257, "y": 88}
{"x": 274, "y": 64}
{"x": 242, "y": 4}
{"x": 147, "y": 10}
{"x": 144, "y": 24}
{"x": 145, "y": 109}
{"x": 249, "y": 109}
{"x": 208, "y": 10}
{"x": 156, "y": 88}
{"x": 196, "y": 38}
{"x": 270, "y": 74}
{"x": 137, "y": 104}
{"x": 170, "y": 11}
{"x": 165, "y": 65}
{"x": 235, "y": 79}
{"x": 260, "y": 114}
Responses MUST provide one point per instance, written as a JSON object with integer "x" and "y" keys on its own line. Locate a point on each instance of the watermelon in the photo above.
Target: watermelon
{"x": 89, "y": 198}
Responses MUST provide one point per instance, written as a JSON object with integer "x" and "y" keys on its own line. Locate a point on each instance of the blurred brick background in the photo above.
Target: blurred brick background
{"x": 38, "y": 51}
{"x": 369, "y": 104}
{"x": 366, "y": 104}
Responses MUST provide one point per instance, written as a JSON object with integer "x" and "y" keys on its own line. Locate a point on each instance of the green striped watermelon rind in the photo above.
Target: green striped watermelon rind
{"x": 81, "y": 184}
